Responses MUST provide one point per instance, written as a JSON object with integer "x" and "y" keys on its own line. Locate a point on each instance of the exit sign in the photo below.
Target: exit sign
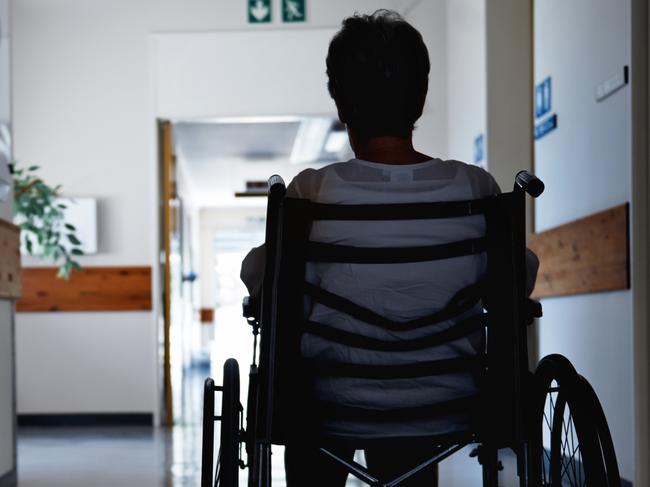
{"x": 259, "y": 11}
{"x": 294, "y": 11}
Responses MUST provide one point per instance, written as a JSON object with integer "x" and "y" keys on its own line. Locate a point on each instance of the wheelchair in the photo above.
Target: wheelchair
{"x": 551, "y": 418}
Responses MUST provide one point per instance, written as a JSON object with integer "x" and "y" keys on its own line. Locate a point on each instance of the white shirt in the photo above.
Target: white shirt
{"x": 399, "y": 292}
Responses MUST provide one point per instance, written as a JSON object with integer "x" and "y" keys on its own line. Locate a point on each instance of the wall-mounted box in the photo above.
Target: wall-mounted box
{"x": 82, "y": 214}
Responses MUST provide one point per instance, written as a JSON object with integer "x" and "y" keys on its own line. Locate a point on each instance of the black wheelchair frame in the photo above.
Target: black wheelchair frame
{"x": 551, "y": 419}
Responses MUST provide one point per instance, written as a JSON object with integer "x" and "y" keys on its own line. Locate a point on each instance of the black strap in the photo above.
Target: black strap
{"x": 325, "y": 252}
{"x": 459, "y": 330}
{"x": 464, "y": 405}
{"x": 331, "y": 368}
{"x": 462, "y": 301}
{"x": 399, "y": 211}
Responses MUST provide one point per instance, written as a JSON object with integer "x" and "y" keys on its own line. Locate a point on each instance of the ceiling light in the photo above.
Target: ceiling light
{"x": 336, "y": 142}
{"x": 310, "y": 140}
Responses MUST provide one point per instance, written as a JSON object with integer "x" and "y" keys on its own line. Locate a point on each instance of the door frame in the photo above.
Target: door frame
{"x": 640, "y": 84}
{"x": 166, "y": 161}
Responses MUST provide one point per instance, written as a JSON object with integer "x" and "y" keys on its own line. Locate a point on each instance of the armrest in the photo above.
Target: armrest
{"x": 533, "y": 310}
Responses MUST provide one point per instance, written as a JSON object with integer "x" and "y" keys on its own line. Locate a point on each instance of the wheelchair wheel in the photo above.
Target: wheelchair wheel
{"x": 565, "y": 446}
{"x": 251, "y": 427}
{"x": 604, "y": 435}
{"x": 227, "y": 471}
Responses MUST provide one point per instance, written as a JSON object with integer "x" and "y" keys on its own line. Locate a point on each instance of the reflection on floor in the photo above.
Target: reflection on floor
{"x": 117, "y": 457}
{"x": 107, "y": 457}
{"x": 162, "y": 457}
{"x": 156, "y": 457}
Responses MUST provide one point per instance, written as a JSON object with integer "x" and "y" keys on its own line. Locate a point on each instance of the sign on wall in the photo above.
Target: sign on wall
{"x": 259, "y": 11}
{"x": 542, "y": 108}
{"x": 479, "y": 149}
{"x": 543, "y": 97}
{"x": 294, "y": 10}
{"x": 546, "y": 126}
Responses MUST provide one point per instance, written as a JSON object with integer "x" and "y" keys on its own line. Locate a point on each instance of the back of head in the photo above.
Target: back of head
{"x": 378, "y": 70}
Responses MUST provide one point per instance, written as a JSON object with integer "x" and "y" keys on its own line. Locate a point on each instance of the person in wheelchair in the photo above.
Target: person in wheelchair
{"x": 378, "y": 67}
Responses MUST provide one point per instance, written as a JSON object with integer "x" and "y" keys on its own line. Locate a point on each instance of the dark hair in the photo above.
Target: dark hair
{"x": 378, "y": 70}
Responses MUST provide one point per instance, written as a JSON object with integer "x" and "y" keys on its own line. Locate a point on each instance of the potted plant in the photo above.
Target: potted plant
{"x": 41, "y": 218}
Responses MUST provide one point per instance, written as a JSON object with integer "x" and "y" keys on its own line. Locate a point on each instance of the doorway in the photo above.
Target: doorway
{"x": 213, "y": 188}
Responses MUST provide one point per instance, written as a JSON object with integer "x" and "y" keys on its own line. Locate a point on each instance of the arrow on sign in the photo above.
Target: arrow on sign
{"x": 259, "y": 11}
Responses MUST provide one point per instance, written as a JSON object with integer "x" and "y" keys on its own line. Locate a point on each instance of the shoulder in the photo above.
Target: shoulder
{"x": 482, "y": 182}
{"x": 307, "y": 183}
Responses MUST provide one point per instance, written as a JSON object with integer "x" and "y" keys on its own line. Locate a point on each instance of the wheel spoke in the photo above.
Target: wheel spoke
{"x": 571, "y": 427}
{"x": 217, "y": 479}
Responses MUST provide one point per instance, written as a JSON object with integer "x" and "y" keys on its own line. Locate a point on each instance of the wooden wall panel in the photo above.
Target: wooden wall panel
{"x": 10, "y": 285}
{"x": 92, "y": 289}
{"x": 584, "y": 256}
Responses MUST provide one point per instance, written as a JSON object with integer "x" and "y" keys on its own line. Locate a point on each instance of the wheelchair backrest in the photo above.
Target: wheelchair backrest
{"x": 287, "y": 410}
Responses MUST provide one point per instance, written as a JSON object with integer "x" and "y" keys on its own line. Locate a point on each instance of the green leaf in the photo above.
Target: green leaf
{"x": 33, "y": 168}
{"x": 29, "y": 245}
{"x": 64, "y": 272}
{"x": 75, "y": 266}
{"x": 73, "y": 239}
{"x": 62, "y": 206}
{"x": 70, "y": 227}
{"x": 76, "y": 251}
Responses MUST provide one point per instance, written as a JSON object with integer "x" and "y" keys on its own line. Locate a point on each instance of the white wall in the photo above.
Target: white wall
{"x": 466, "y": 76}
{"x": 80, "y": 91}
{"x": 429, "y": 17}
{"x": 586, "y": 166}
{"x": 7, "y": 413}
{"x": 85, "y": 103}
{"x": 250, "y": 80}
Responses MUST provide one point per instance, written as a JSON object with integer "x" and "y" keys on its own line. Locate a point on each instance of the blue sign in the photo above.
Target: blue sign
{"x": 479, "y": 149}
{"x": 543, "y": 97}
{"x": 543, "y": 128}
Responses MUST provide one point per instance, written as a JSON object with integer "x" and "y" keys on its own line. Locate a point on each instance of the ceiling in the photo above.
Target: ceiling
{"x": 217, "y": 157}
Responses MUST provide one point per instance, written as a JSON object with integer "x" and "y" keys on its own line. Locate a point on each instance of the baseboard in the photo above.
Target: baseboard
{"x": 9, "y": 479}
{"x": 82, "y": 420}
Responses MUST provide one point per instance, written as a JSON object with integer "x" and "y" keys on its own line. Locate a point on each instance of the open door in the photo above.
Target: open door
{"x": 167, "y": 196}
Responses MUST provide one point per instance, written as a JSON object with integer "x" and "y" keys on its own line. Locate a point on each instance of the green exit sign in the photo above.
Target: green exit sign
{"x": 259, "y": 11}
{"x": 294, "y": 10}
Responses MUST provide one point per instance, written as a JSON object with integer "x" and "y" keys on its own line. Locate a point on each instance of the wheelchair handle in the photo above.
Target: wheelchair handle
{"x": 276, "y": 182}
{"x": 530, "y": 183}
{"x": 251, "y": 309}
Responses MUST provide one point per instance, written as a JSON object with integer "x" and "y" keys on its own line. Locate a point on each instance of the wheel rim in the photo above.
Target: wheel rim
{"x": 563, "y": 464}
{"x": 227, "y": 470}
{"x": 564, "y": 444}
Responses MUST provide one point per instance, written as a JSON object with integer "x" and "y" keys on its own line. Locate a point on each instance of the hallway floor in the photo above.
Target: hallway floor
{"x": 117, "y": 457}
{"x": 154, "y": 457}
{"x": 107, "y": 457}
